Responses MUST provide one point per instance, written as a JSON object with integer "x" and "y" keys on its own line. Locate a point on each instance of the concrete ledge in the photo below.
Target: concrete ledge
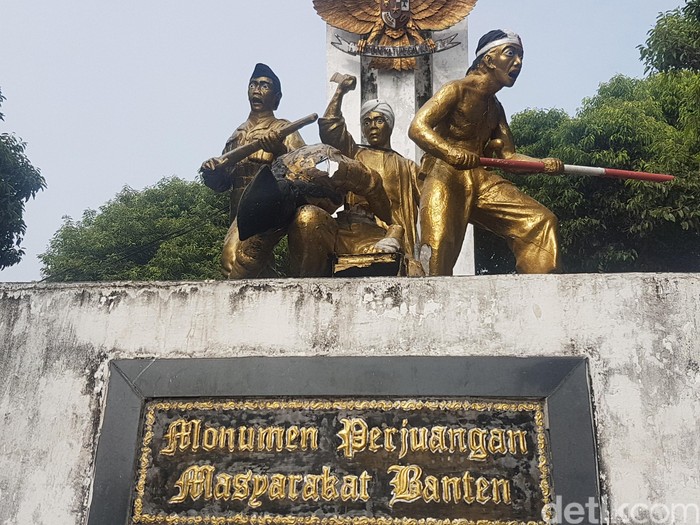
{"x": 639, "y": 332}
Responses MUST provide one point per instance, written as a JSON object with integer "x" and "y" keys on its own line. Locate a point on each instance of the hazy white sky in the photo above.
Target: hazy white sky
{"x": 108, "y": 94}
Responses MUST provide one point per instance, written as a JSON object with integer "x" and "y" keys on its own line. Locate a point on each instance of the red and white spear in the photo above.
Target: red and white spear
{"x": 572, "y": 169}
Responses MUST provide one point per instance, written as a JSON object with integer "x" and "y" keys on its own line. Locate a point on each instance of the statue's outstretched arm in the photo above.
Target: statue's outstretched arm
{"x": 503, "y": 146}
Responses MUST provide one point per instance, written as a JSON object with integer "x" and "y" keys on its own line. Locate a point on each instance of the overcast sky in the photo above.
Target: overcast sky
{"x": 108, "y": 94}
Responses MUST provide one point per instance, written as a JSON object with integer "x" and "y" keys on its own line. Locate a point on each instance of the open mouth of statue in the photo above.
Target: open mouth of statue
{"x": 514, "y": 74}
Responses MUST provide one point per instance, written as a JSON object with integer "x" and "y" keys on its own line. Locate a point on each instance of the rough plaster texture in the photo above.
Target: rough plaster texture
{"x": 639, "y": 331}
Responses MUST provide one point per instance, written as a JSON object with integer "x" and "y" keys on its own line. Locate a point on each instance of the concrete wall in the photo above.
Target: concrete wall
{"x": 640, "y": 332}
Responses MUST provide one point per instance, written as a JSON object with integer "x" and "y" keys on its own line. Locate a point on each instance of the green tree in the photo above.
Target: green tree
{"x": 674, "y": 42}
{"x": 170, "y": 231}
{"x": 19, "y": 181}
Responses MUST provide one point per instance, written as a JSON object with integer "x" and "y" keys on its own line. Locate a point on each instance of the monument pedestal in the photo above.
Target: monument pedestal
{"x": 637, "y": 335}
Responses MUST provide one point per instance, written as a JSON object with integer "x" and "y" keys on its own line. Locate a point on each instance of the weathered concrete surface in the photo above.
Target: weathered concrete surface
{"x": 640, "y": 332}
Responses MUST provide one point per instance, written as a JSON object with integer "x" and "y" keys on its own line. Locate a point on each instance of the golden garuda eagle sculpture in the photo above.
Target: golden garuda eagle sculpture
{"x": 391, "y": 28}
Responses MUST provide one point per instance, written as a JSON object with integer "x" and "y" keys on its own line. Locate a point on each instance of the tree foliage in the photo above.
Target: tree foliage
{"x": 674, "y": 42}
{"x": 19, "y": 181}
{"x": 170, "y": 231}
{"x": 650, "y": 124}
{"x": 614, "y": 225}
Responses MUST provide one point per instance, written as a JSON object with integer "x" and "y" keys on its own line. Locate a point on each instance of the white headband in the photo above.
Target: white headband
{"x": 379, "y": 106}
{"x": 510, "y": 38}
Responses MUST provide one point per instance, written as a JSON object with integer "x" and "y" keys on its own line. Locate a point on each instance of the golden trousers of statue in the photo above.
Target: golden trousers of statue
{"x": 452, "y": 198}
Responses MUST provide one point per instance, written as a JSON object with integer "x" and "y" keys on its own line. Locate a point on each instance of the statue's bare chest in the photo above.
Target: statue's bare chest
{"x": 475, "y": 119}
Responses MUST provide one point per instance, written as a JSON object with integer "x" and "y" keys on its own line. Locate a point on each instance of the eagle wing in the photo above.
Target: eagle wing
{"x": 354, "y": 16}
{"x": 436, "y": 15}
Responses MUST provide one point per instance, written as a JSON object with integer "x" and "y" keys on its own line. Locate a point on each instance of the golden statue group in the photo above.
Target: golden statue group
{"x": 277, "y": 188}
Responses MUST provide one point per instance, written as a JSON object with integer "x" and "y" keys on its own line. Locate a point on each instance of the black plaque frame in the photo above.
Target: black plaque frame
{"x": 562, "y": 381}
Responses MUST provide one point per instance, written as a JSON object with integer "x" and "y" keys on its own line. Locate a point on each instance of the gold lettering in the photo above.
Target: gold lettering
{"x": 309, "y": 490}
{"x": 222, "y": 489}
{"x": 291, "y": 436}
{"x": 195, "y": 434}
{"x": 406, "y": 483}
{"x": 365, "y": 478}
{"x": 329, "y": 491}
{"x": 278, "y": 486}
{"x": 457, "y": 439}
{"x": 349, "y": 490}
{"x": 353, "y": 436}
{"x": 242, "y": 444}
{"x": 482, "y": 485}
{"x": 467, "y": 484}
{"x": 210, "y": 439}
{"x": 451, "y": 489}
{"x": 418, "y": 439}
{"x": 241, "y": 485}
{"x": 409, "y": 484}
{"x": 477, "y": 444}
{"x": 497, "y": 441}
{"x": 270, "y": 438}
{"x": 501, "y": 491}
{"x": 181, "y": 436}
{"x": 404, "y": 439}
{"x": 294, "y": 480}
{"x": 374, "y": 434}
{"x": 194, "y": 482}
{"x": 389, "y": 439}
{"x": 309, "y": 438}
{"x": 518, "y": 435}
{"x": 437, "y": 439}
{"x": 259, "y": 488}
{"x": 227, "y": 438}
{"x": 431, "y": 492}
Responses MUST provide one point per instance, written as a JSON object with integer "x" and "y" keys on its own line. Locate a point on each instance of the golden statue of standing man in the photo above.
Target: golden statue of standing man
{"x": 460, "y": 123}
{"x": 239, "y": 260}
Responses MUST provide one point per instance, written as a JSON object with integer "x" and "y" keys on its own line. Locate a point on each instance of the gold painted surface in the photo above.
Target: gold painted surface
{"x": 315, "y": 236}
{"x": 364, "y": 17}
{"x": 311, "y": 520}
{"x": 145, "y": 458}
{"x": 460, "y": 123}
{"x": 399, "y": 179}
{"x": 249, "y": 258}
{"x": 363, "y": 261}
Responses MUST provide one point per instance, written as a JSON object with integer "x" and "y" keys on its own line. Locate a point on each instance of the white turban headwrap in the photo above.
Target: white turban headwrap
{"x": 380, "y": 107}
{"x": 510, "y": 38}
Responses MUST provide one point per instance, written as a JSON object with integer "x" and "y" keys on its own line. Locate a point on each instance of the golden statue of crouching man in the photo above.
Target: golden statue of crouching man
{"x": 264, "y": 95}
{"x": 359, "y": 230}
{"x": 462, "y": 122}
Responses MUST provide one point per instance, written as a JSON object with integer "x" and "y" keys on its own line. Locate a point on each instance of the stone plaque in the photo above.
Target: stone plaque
{"x": 344, "y": 441}
{"x": 343, "y": 461}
